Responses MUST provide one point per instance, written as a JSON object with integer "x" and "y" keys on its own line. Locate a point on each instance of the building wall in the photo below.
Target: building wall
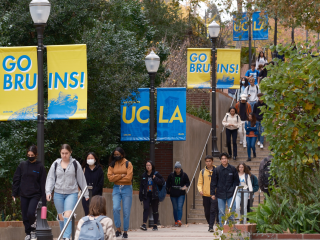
{"x": 164, "y": 158}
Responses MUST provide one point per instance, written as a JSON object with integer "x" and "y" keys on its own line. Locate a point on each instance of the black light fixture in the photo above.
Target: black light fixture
{"x": 214, "y": 30}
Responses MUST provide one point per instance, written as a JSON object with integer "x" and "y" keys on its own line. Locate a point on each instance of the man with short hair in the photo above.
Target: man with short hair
{"x": 224, "y": 180}
{"x": 252, "y": 73}
{"x": 204, "y": 181}
{"x": 259, "y": 116}
{"x": 252, "y": 91}
{"x": 243, "y": 110}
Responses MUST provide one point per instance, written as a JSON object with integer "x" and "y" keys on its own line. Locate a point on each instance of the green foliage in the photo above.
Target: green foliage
{"x": 292, "y": 127}
{"x": 11, "y": 210}
{"x": 202, "y": 112}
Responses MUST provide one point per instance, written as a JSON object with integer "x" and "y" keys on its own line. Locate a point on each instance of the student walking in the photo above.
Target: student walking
{"x": 245, "y": 181}
{"x": 253, "y": 72}
{"x": 97, "y": 221}
{"x": 94, "y": 176}
{"x": 210, "y": 206}
{"x": 252, "y": 92}
{"x": 150, "y": 182}
{"x": 120, "y": 172}
{"x": 261, "y": 60}
{"x": 259, "y": 116}
{"x": 232, "y": 122}
{"x": 223, "y": 183}
{"x": 255, "y": 188}
{"x": 177, "y": 183}
{"x": 29, "y": 184}
{"x": 243, "y": 84}
{"x": 64, "y": 177}
{"x": 264, "y": 174}
{"x": 243, "y": 109}
{"x": 252, "y": 134}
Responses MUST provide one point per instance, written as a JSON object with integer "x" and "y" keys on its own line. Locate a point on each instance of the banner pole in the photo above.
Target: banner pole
{"x": 152, "y": 140}
{"x": 250, "y": 54}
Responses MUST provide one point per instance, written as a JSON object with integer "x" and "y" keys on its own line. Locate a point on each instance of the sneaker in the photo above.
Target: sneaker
{"x": 33, "y": 235}
{"x": 254, "y": 155}
{"x": 249, "y": 159}
{"x": 210, "y": 229}
{"x": 258, "y": 143}
{"x": 125, "y": 235}
{"x": 240, "y": 142}
{"x": 155, "y": 228}
{"x": 143, "y": 227}
{"x": 179, "y": 223}
{"x": 118, "y": 234}
{"x": 261, "y": 145}
{"x": 244, "y": 145}
{"x": 176, "y": 224}
{"x": 28, "y": 237}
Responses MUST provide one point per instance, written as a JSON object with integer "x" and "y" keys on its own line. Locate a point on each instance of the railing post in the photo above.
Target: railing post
{"x": 186, "y": 208}
{"x": 194, "y": 196}
{"x": 73, "y": 227}
{"x": 242, "y": 205}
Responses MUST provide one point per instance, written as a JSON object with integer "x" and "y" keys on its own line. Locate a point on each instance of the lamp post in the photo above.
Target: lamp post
{"x": 152, "y": 63}
{"x": 214, "y": 30}
{"x": 40, "y": 10}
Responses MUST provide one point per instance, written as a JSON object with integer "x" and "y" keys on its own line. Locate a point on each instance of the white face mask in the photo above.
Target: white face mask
{"x": 90, "y": 161}
{"x": 243, "y": 82}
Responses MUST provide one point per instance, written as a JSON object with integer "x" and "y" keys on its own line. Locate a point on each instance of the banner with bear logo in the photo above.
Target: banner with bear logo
{"x": 67, "y": 81}
{"x": 18, "y": 83}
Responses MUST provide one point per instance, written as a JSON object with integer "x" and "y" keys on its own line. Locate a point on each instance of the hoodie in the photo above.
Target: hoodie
{"x": 157, "y": 182}
{"x": 66, "y": 182}
{"x": 95, "y": 178}
{"x": 174, "y": 182}
{"x": 204, "y": 181}
{"x": 29, "y": 181}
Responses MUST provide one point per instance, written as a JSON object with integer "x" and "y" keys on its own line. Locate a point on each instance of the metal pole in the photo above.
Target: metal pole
{"x": 186, "y": 208}
{"x": 214, "y": 150}
{"x": 250, "y": 50}
{"x": 73, "y": 226}
{"x": 242, "y": 205}
{"x": 43, "y": 230}
{"x": 194, "y": 196}
{"x": 292, "y": 35}
{"x": 306, "y": 35}
{"x": 152, "y": 140}
{"x": 275, "y": 35}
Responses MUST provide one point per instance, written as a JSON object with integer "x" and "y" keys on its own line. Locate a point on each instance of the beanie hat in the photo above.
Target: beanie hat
{"x": 177, "y": 165}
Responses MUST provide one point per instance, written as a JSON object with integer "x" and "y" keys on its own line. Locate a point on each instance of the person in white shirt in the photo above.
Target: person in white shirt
{"x": 245, "y": 181}
{"x": 232, "y": 122}
{"x": 261, "y": 60}
{"x": 252, "y": 92}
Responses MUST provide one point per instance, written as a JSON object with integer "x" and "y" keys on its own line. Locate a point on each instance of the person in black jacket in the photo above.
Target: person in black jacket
{"x": 29, "y": 183}
{"x": 148, "y": 194}
{"x": 224, "y": 180}
{"x": 94, "y": 176}
{"x": 259, "y": 116}
{"x": 177, "y": 183}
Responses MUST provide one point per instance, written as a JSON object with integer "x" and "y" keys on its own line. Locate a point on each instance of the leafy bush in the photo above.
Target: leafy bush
{"x": 202, "y": 112}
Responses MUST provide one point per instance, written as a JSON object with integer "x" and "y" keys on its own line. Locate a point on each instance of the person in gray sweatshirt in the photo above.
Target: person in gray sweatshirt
{"x": 65, "y": 176}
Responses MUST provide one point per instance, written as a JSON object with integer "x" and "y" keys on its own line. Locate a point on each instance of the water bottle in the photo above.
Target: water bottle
{"x": 44, "y": 212}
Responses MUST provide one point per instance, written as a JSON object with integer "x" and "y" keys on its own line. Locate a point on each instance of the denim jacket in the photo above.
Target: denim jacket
{"x": 249, "y": 128}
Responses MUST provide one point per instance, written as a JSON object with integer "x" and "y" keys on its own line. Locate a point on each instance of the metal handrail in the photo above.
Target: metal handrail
{"x": 72, "y": 213}
{"x": 233, "y": 199}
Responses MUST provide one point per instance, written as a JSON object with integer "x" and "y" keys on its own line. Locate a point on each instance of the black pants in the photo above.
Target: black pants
{"x": 248, "y": 206}
{"x": 210, "y": 210}
{"x": 154, "y": 204}
{"x": 28, "y": 210}
{"x": 234, "y": 134}
{"x": 85, "y": 205}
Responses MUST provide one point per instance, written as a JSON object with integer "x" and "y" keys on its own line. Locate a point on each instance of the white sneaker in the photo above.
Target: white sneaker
{"x": 33, "y": 235}
{"x": 258, "y": 143}
{"x": 261, "y": 145}
{"x": 240, "y": 142}
{"x": 27, "y": 237}
{"x": 244, "y": 145}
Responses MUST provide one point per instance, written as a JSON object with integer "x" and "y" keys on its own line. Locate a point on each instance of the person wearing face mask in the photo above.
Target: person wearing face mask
{"x": 120, "y": 172}
{"x": 243, "y": 84}
{"x": 93, "y": 173}
{"x": 29, "y": 183}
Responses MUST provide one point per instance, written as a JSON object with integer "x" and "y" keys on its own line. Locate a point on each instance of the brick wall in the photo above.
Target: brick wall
{"x": 164, "y": 158}
{"x": 197, "y": 96}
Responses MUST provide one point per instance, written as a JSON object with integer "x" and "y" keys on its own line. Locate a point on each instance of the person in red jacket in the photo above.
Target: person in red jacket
{"x": 243, "y": 109}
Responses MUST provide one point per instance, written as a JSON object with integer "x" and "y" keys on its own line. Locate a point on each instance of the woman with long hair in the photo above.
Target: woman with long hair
{"x": 64, "y": 177}
{"x": 120, "y": 172}
{"x": 245, "y": 181}
{"x": 261, "y": 60}
{"x": 94, "y": 176}
{"x": 149, "y": 194}
{"x": 251, "y": 135}
{"x": 29, "y": 184}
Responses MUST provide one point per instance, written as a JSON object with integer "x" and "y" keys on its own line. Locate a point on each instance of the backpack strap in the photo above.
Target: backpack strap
{"x": 237, "y": 118}
{"x": 75, "y": 167}
{"x": 127, "y": 164}
{"x": 85, "y": 219}
{"x": 257, "y": 89}
{"x": 55, "y": 171}
{"x": 246, "y": 178}
{"x": 98, "y": 219}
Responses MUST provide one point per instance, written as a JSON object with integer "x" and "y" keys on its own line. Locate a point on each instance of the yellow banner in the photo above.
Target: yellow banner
{"x": 67, "y": 82}
{"x": 228, "y": 68}
{"x": 198, "y": 64}
{"x": 18, "y": 83}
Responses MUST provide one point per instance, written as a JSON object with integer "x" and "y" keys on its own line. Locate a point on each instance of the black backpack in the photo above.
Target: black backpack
{"x": 266, "y": 180}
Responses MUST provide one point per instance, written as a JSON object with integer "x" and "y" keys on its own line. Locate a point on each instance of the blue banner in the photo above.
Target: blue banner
{"x": 135, "y": 124}
{"x": 259, "y": 28}
{"x": 241, "y": 30}
{"x": 171, "y": 114}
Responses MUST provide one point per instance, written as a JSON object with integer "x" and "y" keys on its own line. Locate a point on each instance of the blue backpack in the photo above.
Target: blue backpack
{"x": 91, "y": 229}
{"x": 163, "y": 192}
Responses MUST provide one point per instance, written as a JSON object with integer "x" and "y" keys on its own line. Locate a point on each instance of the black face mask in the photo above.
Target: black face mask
{"x": 117, "y": 158}
{"x": 31, "y": 159}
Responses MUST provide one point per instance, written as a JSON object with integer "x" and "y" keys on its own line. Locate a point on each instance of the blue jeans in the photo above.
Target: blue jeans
{"x": 124, "y": 193}
{"x": 63, "y": 203}
{"x": 177, "y": 204}
{"x": 251, "y": 143}
{"x": 222, "y": 208}
{"x": 252, "y": 105}
{"x": 260, "y": 130}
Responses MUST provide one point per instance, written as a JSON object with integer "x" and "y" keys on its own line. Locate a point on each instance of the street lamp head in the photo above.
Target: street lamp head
{"x": 214, "y": 29}
{"x": 40, "y": 10}
{"x": 152, "y": 62}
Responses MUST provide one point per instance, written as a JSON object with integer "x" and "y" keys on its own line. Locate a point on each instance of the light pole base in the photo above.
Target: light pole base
{"x": 44, "y": 232}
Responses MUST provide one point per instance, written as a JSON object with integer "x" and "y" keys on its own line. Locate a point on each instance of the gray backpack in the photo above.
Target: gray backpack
{"x": 91, "y": 229}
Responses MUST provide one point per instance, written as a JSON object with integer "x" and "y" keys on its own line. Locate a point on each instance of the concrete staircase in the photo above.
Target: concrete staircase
{"x": 196, "y": 215}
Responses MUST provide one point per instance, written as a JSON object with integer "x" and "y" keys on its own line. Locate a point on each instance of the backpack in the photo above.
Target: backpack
{"x": 266, "y": 174}
{"x": 127, "y": 164}
{"x": 75, "y": 169}
{"x": 92, "y": 229}
{"x": 163, "y": 192}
